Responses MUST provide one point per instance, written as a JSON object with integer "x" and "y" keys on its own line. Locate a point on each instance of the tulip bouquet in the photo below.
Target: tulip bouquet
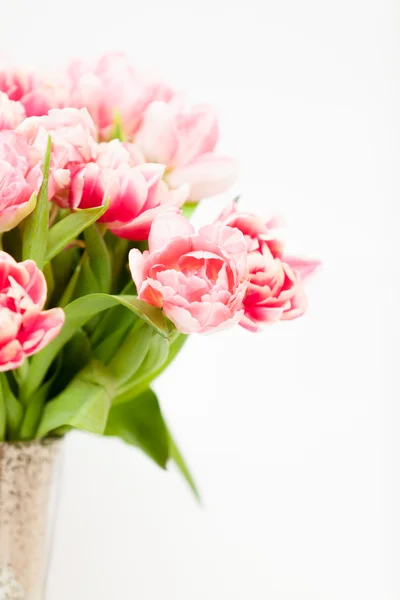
{"x": 102, "y": 275}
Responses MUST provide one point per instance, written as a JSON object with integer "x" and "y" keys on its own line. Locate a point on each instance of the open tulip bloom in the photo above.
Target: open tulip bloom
{"x": 102, "y": 276}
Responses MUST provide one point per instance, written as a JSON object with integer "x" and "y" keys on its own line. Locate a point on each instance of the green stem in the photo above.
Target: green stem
{"x": 21, "y": 373}
{"x": 32, "y": 416}
{"x": 13, "y": 409}
{"x": 3, "y": 415}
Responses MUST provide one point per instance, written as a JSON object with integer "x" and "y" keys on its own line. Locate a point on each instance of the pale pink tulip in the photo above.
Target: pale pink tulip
{"x": 24, "y": 327}
{"x": 136, "y": 192}
{"x": 276, "y": 287}
{"x": 20, "y": 180}
{"x": 185, "y": 141}
{"x": 11, "y": 112}
{"x": 72, "y": 132}
{"x": 14, "y": 82}
{"x": 198, "y": 279}
{"x": 111, "y": 89}
{"x": 37, "y": 95}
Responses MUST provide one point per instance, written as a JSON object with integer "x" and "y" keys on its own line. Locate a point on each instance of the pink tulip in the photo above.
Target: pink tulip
{"x": 20, "y": 180}
{"x": 110, "y": 89}
{"x": 24, "y": 327}
{"x": 185, "y": 141}
{"x": 36, "y": 94}
{"x": 199, "y": 280}
{"x": 276, "y": 287}
{"x": 136, "y": 192}
{"x": 71, "y": 131}
{"x": 15, "y": 83}
{"x": 11, "y": 113}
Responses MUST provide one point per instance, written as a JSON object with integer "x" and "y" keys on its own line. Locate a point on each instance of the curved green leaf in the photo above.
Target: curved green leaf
{"x": 34, "y": 241}
{"x": 189, "y": 208}
{"x": 99, "y": 257}
{"x": 68, "y": 229}
{"x": 84, "y": 404}
{"x": 132, "y": 352}
{"x": 179, "y": 461}
{"x": 151, "y": 368}
{"x": 77, "y": 314}
{"x": 141, "y": 424}
{"x": 14, "y": 411}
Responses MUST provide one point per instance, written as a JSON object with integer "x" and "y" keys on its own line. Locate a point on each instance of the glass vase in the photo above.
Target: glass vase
{"x": 28, "y": 490}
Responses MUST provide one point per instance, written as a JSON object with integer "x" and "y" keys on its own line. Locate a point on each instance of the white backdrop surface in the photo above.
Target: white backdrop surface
{"x": 291, "y": 434}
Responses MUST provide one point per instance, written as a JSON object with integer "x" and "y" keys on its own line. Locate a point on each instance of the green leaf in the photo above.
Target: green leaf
{"x": 13, "y": 409}
{"x": 141, "y": 424}
{"x": 117, "y": 132}
{"x": 84, "y": 404}
{"x": 132, "y": 352}
{"x": 107, "y": 348}
{"x": 87, "y": 282}
{"x": 146, "y": 374}
{"x": 99, "y": 257}
{"x": 35, "y": 405}
{"x": 3, "y": 415}
{"x": 68, "y": 229}
{"x": 33, "y": 413}
{"x": 69, "y": 291}
{"x": 34, "y": 242}
{"x": 178, "y": 459}
{"x": 76, "y": 315}
{"x": 188, "y": 209}
{"x": 12, "y": 243}
{"x": 48, "y": 273}
{"x": 63, "y": 267}
{"x": 119, "y": 260}
{"x": 118, "y": 314}
{"x": 75, "y": 355}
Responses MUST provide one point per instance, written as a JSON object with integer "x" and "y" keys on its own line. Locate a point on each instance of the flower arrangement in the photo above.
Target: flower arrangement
{"x": 102, "y": 275}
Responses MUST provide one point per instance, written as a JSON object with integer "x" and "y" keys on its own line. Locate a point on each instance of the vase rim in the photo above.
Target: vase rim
{"x": 41, "y": 442}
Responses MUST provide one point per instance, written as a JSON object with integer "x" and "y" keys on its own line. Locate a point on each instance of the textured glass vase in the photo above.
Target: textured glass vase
{"x": 28, "y": 487}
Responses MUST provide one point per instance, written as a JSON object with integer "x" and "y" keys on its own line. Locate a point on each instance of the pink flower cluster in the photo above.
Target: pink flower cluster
{"x": 232, "y": 271}
{"x": 167, "y": 157}
{"x": 25, "y": 328}
{"x": 199, "y": 280}
{"x": 134, "y": 144}
{"x": 275, "y": 290}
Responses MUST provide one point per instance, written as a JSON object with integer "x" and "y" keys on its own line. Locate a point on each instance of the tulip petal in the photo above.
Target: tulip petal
{"x": 157, "y": 137}
{"x": 138, "y": 229}
{"x": 305, "y": 267}
{"x": 207, "y": 175}
{"x": 167, "y": 226}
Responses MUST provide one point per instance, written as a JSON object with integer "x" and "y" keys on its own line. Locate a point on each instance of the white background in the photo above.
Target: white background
{"x": 292, "y": 434}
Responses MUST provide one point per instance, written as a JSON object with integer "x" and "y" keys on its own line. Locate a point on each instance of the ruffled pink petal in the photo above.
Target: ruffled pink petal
{"x": 305, "y": 267}
{"x": 11, "y": 356}
{"x": 88, "y": 187}
{"x": 157, "y": 137}
{"x": 138, "y": 229}
{"x": 298, "y": 305}
{"x": 166, "y": 227}
{"x": 207, "y": 175}
{"x": 36, "y": 287}
{"x": 249, "y": 324}
{"x": 210, "y": 315}
{"x": 181, "y": 318}
{"x": 151, "y": 292}
{"x": 231, "y": 240}
{"x": 39, "y": 329}
{"x": 136, "y": 266}
{"x": 9, "y": 325}
{"x": 11, "y": 216}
